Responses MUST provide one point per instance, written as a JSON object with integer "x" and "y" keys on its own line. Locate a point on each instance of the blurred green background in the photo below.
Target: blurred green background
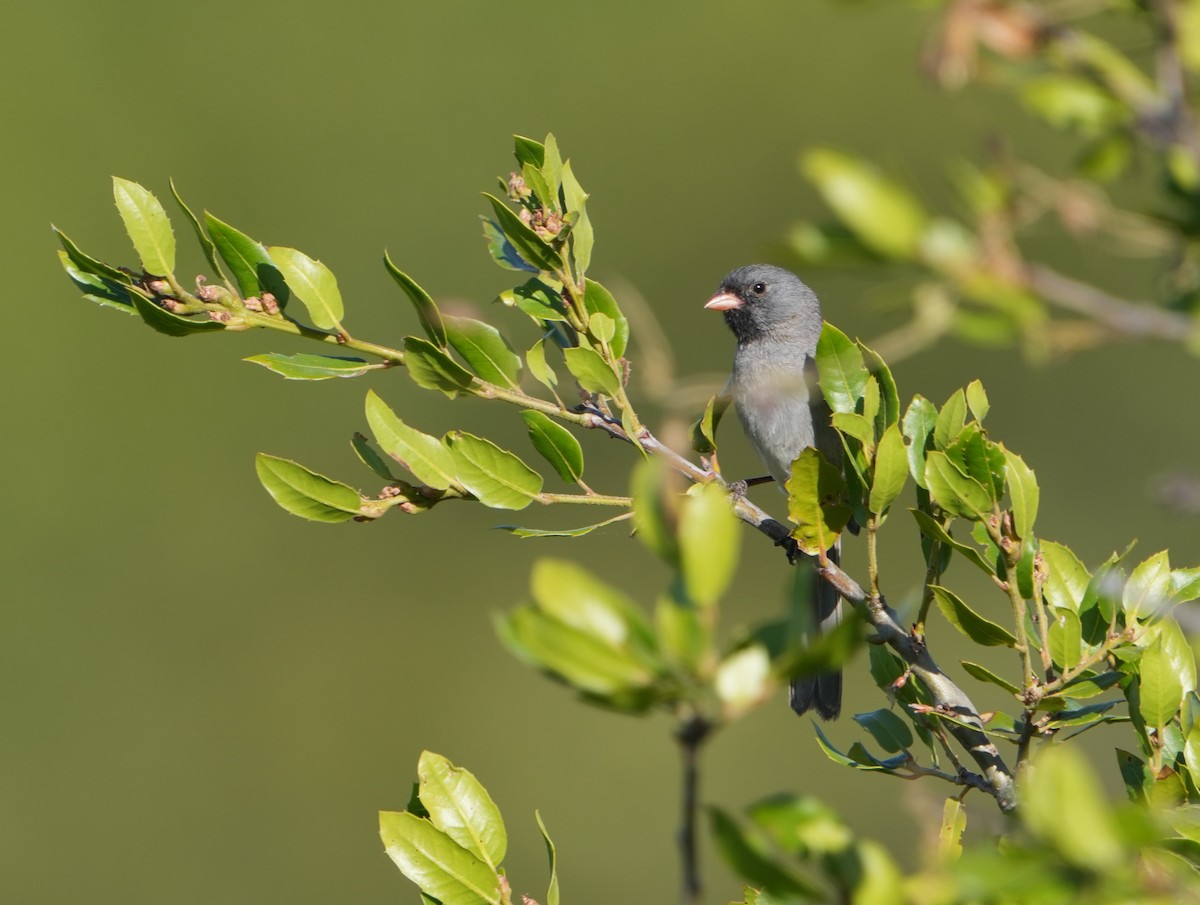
{"x": 207, "y": 700}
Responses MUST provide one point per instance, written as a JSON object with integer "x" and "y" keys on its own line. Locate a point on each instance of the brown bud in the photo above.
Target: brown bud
{"x": 517, "y": 189}
{"x": 221, "y": 317}
{"x": 173, "y": 305}
{"x": 253, "y": 303}
{"x": 209, "y": 293}
{"x": 269, "y": 303}
{"x": 158, "y": 287}
{"x": 525, "y": 216}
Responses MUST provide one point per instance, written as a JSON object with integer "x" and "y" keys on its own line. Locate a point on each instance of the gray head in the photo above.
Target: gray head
{"x": 762, "y": 300}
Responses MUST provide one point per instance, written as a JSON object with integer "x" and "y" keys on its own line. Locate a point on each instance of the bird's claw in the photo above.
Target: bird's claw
{"x": 738, "y": 489}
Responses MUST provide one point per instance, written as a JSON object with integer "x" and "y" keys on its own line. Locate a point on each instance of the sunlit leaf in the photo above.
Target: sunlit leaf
{"x": 496, "y": 477}
{"x": 313, "y": 283}
{"x": 966, "y": 620}
{"x": 891, "y": 470}
{"x": 816, "y": 502}
{"x": 843, "y": 376}
{"x": 557, "y": 445}
{"x": 527, "y": 243}
{"x": 248, "y": 261}
{"x": 593, "y": 374}
{"x": 599, "y": 300}
{"x": 305, "y": 493}
{"x": 305, "y": 366}
{"x": 484, "y": 350}
{"x": 147, "y": 225}
{"x": 709, "y": 543}
{"x": 425, "y": 458}
{"x": 1024, "y": 493}
{"x": 433, "y": 369}
{"x": 890, "y": 731}
{"x": 1066, "y": 578}
{"x": 426, "y": 308}
{"x": 206, "y": 244}
{"x": 461, "y": 807}
{"x": 441, "y": 867}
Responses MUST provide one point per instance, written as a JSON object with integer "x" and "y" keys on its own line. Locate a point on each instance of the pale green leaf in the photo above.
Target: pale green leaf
{"x": 461, "y": 807}
{"x": 313, "y": 283}
{"x": 305, "y": 493}
{"x": 437, "y": 864}
{"x": 425, "y": 458}
{"x": 557, "y": 445}
{"x": 709, "y": 543}
{"x": 497, "y": 478}
{"x": 147, "y": 225}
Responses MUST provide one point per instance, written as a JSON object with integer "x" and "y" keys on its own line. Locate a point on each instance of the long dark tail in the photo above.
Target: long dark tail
{"x": 822, "y": 691}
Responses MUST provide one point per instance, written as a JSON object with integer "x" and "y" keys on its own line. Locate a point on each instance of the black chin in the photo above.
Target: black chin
{"x": 742, "y": 324}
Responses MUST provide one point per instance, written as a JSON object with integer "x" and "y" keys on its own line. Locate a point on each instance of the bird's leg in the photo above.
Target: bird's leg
{"x": 738, "y": 488}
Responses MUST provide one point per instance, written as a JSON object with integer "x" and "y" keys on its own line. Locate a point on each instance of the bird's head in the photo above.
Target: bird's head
{"x": 762, "y": 300}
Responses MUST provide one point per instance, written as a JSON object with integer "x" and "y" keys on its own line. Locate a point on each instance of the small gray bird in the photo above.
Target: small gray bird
{"x": 777, "y": 320}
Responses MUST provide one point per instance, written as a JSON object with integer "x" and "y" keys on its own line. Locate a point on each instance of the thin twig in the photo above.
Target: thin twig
{"x": 1135, "y": 319}
{"x": 690, "y": 735}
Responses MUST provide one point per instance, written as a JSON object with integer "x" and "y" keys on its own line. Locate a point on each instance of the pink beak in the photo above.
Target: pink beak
{"x": 724, "y": 301}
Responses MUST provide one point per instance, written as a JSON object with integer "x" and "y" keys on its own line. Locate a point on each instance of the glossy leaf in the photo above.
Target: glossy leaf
{"x": 966, "y": 620}
{"x": 843, "y": 376}
{"x": 88, "y": 264}
{"x": 931, "y": 528}
{"x": 502, "y": 251}
{"x": 168, "y": 322}
{"x": 537, "y": 300}
{"x": 1178, "y": 649}
{"x": 983, "y": 674}
{"x": 950, "y": 420}
{"x": 552, "y": 855}
{"x": 527, "y": 243}
{"x": 704, "y": 431}
{"x": 576, "y": 597}
{"x": 593, "y": 374}
{"x": 709, "y": 543}
{"x": 1061, "y": 796}
{"x": 882, "y": 213}
{"x": 1148, "y": 588}
{"x": 370, "y": 457}
{"x": 305, "y": 493}
{"x": 96, "y": 288}
{"x": 517, "y": 531}
{"x": 1066, "y": 578}
{"x": 433, "y": 369}
{"x": 425, "y": 458}
{"x": 980, "y": 459}
{"x": 582, "y": 235}
{"x": 954, "y": 491}
{"x": 304, "y": 366}
{"x": 313, "y": 283}
{"x": 147, "y": 225}
{"x": 496, "y": 477}
{"x": 248, "y": 261}
{"x": 1160, "y": 689}
{"x": 426, "y": 308}
{"x": 977, "y": 400}
{"x": 891, "y": 470}
{"x": 485, "y": 351}
{"x": 535, "y": 360}
{"x": 816, "y": 493}
{"x": 461, "y": 807}
{"x": 918, "y": 424}
{"x": 442, "y": 868}
{"x": 1185, "y": 583}
{"x": 556, "y": 444}
{"x": 584, "y": 661}
{"x": 1066, "y": 637}
{"x": 750, "y": 862}
{"x": 529, "y": 150}
{"x": 890, "y": 731}
{"x": 206, "y": 244}
{"x": 1024, "y": 493}
{"x": 598, "y": 300}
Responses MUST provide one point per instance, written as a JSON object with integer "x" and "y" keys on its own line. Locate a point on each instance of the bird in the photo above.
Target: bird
{"x": 776, "y": 320}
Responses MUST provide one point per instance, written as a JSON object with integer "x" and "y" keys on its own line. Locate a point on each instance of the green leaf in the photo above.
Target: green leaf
{"x": 502, "y": 250}
{"x": 425, "y": 458}
{"x": 1179, "y": 651}
{"x": 460, "y": 807}
{"x": 889, "y": 731}
{"x": 303, "y": 366}
{"x": 370, "y": 457}
{"x": 483, "y": 348}
{"x": 574, "y": 596}
{"x": 147, "y": 226}
{"x": 977, "y": 400}
{"x": 1185, "y": 583}
{"x": 704, "y": 431}
{"x": 918, "y": 424}
{"x": 954, "y": 824}
{"x": 954, "y": 491}
{"x": 557, "y": 445}
{"x": 427, "y": 309}
{"x": 306, "y": 493}
{"x": 497, "y": 478}
{"x": 592, "y": 372}
{"x": 1024, "y": 493}
{"x": 524, "y": 240}
{"x": 881, "y": 213}
{"x": 536, "y": 183}
{"x": 1066, "y": 637}
{"x": 535, "y": 359}
{"x": 980, "y": 459}
{"x": 891, "y": 469}
{"x": 551, "y": 168}
{"x": 537, "y": 300}
{"x": 950, "y": 420}
{"x": 582, "y": 235}
{"x": 858, "y": 759}
{"x": 529, "y": 150}
{"x": 966, "y": 620}
{"x": 433, "y": 369}
{"x": 1072, "y": 102}
{"x": 1148, "y": 588}
{"x": 933, "y": 529}
{"x": 88, "y": 264}
{"x": 709, "y": 542}
{"x": 313, "y": 283}
{"x": 656, "y": 509}
{"x": 983, "y": 674}
{"x": 1061, "y": 796}
{"x": 442, "y": 868}
{"x": 584, "y": 661}
{"x": 598, "y": 300}
{"x": 248, "y": 261}
{"x": 816, "y": 493}
{"x": 889, "y": 411}
{"x": 206, "y": 244}
{"x": 751, "y": 863}
{"x": 856, "y": 426}
{"x": 1160, "y": 690}
{"x": 169, "y": 323}
{"x": 843, "y": 376}
{"x": 552, "y": 854}
{"x": 99, "y": 289}
{"x": 602, "y": 328}
{"x": 1066, "y": 578}
{"x": 561, "y": 532}
{"x": 743, "y": 679}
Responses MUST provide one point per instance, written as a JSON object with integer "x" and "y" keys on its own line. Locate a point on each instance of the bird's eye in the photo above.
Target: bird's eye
{"x": 759, "y": 288}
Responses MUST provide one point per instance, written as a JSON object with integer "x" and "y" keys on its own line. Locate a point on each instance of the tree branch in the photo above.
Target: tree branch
{"x": 1136, "y": 319}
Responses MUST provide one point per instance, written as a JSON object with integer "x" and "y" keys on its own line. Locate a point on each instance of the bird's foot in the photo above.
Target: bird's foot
{"x": 738, "y": 489}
